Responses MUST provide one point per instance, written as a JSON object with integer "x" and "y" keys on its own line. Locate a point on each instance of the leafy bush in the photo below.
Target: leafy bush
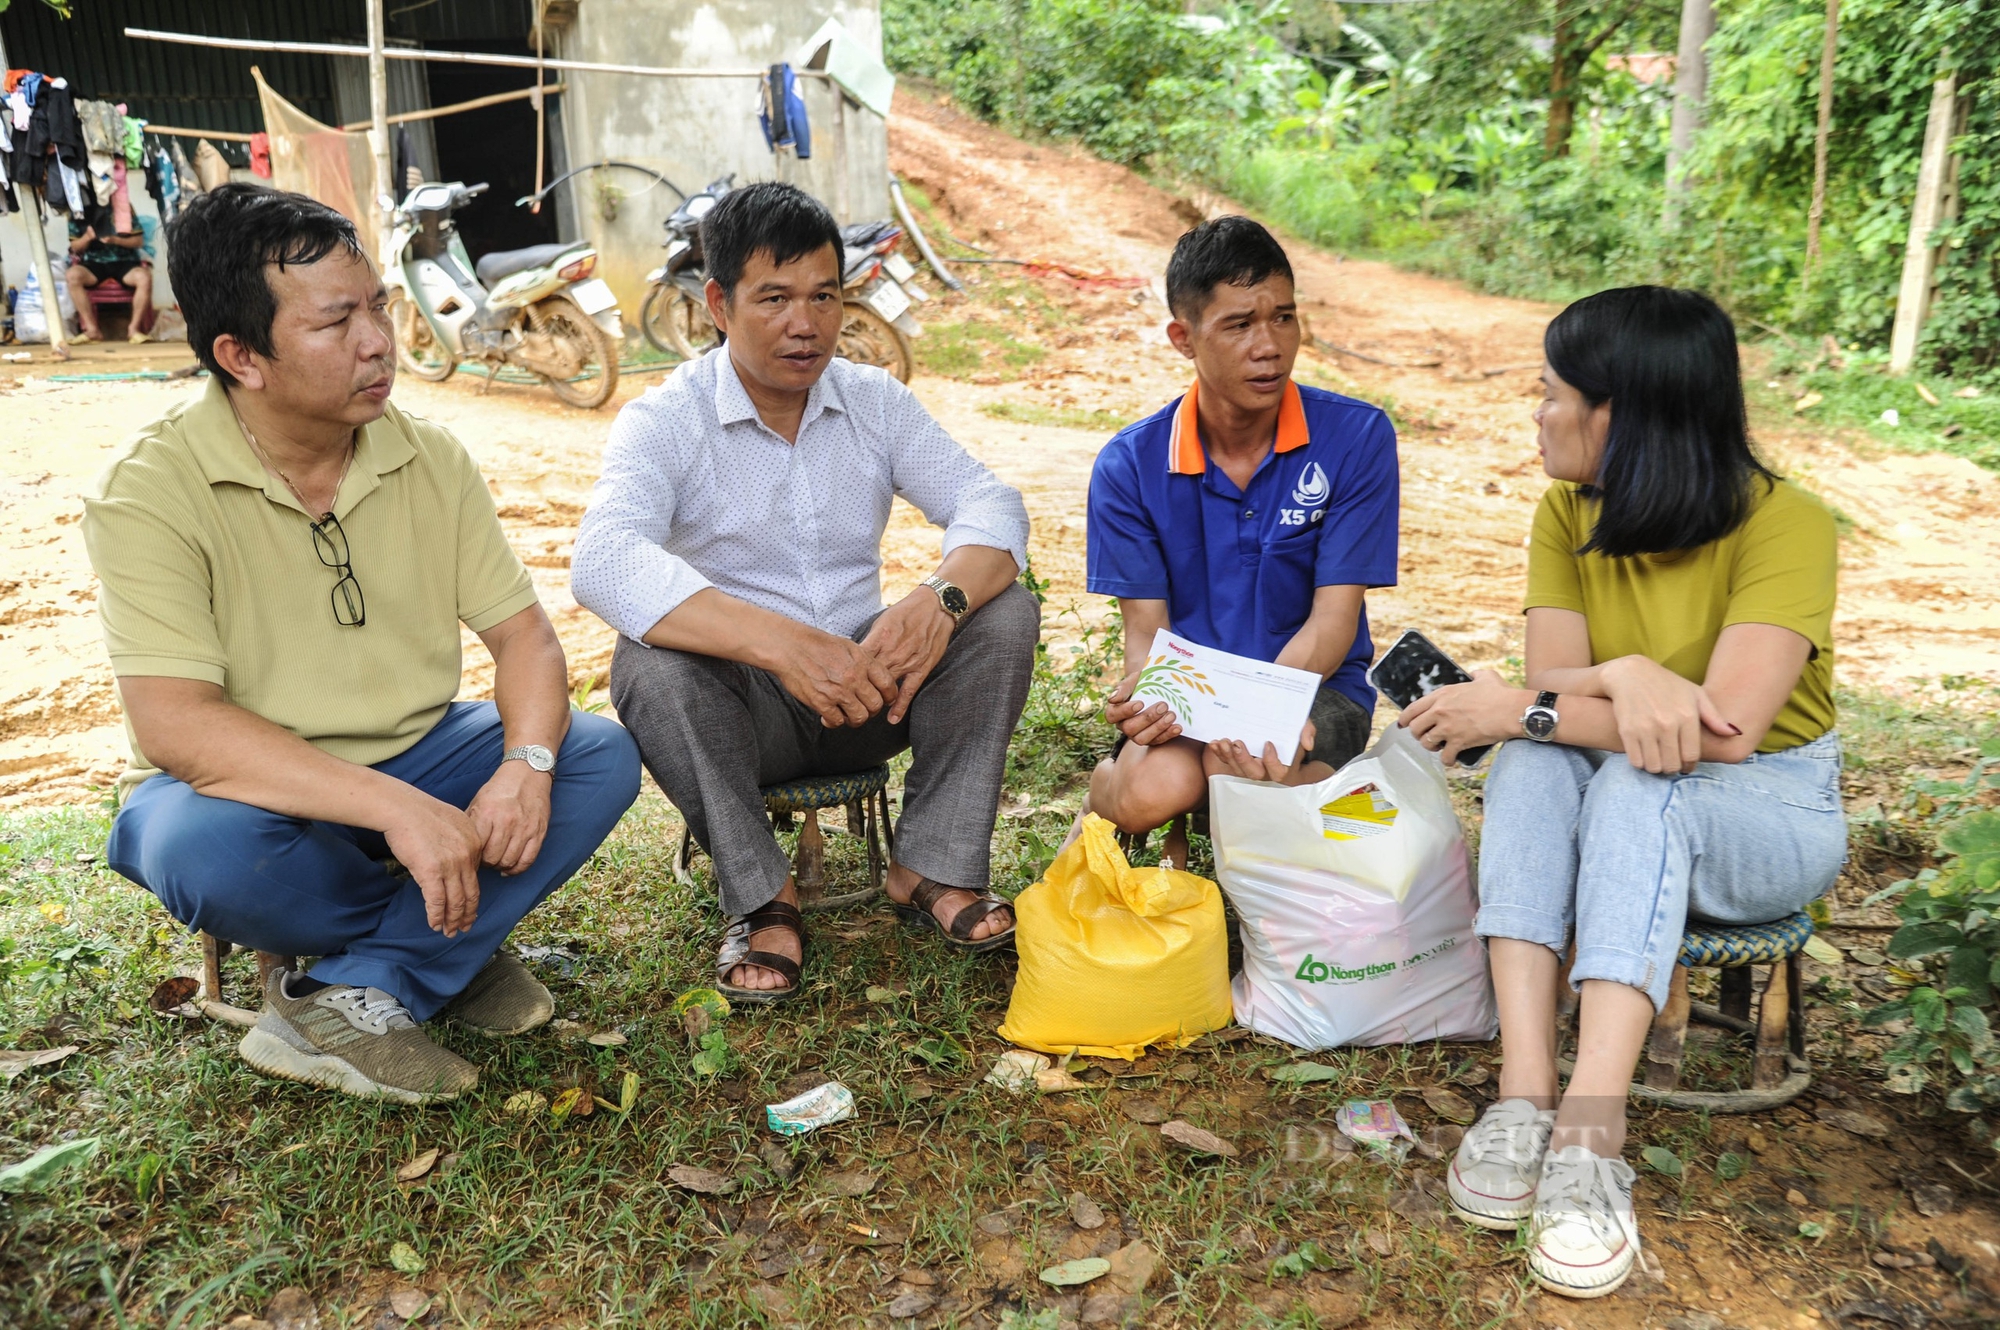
{"x": 1951, "y": 933}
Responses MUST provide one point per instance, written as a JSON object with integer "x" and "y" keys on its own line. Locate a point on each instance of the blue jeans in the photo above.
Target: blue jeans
{"x": 1580, "y": 841}
{"x": 304, "y": 888}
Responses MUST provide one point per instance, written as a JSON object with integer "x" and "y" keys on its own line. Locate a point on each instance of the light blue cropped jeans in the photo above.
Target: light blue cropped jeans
{"x": 1579, "y": 842}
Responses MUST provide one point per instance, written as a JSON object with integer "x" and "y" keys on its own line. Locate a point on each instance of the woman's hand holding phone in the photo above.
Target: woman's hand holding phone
{"x": 1147, "y": 726}
{"x": 1467, "y": 715}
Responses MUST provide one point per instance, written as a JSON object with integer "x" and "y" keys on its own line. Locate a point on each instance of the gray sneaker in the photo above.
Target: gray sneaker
{"x": 503, "y": 998}
{"x": 359, "y": 1041}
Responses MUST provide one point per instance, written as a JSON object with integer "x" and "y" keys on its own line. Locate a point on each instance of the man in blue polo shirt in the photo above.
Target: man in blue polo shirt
{"x": 1251, "y": 515}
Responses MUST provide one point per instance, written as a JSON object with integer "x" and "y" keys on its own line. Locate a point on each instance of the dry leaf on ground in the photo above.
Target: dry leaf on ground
{"x": 911, "y": 1304}
{"x": 1015, "y": 1071}
{"x": 1450, "y": 1105}
{"x": 607, "y": 1039}
{"x": 418, "y": 1166}
{"x": 524, "y": 1103}
{"x": 704, "y": 1180}
{"x": 857, "y": 1183}
{"x": 1055, "y": 1080}
{"x": 1191, "y": 1137}
{"x": 1851, "y": 1120}
{"x": 409, "y": 1303}
{"x": 170, "y": 994}
{"x": 15, "y": 1061}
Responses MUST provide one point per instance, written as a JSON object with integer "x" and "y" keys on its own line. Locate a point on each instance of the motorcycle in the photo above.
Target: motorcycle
{"x": 537, "y": 308}
{"x": 878, "y": 287}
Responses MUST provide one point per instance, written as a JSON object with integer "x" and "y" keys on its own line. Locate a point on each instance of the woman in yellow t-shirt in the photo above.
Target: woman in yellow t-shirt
{"x": 1673, "y": 755}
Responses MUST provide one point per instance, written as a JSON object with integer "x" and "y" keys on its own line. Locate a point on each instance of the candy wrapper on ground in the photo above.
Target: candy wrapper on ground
{"x": 1376, "y": 1127}
{"x": 819, "y": 1107}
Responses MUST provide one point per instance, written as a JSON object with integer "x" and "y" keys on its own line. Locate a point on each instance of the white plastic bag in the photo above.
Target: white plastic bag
{"x": 1356, "y": 903}
{"x": 30, "y": 324}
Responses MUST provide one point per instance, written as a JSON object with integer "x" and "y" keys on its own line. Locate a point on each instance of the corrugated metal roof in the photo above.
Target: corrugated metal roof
{"x": 205, "y": 88}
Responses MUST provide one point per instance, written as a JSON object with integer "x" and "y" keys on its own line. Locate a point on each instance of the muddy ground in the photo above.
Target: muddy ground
{"x": 1921, "y": 569}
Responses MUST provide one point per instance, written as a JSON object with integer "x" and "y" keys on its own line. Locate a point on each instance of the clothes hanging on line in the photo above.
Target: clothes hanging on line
{"x": 211, "y": 167}
{"x": 782, "y": 112}
{"x": 260, "y": 155}
{"x": 184, "y": 172}
{"x": 133, "y": 137}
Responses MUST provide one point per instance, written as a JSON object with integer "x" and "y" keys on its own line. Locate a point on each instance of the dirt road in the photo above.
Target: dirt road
{"x": 1921, "y": 594}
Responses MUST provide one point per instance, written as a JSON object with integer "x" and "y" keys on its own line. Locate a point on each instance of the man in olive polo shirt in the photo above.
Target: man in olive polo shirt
{"x": 285, "y": 562}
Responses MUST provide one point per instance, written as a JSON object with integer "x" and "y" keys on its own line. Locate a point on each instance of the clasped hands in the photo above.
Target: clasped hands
{"x": 849, "y": 682}
{"x": 443, "y": 848}
{"x": 1151, "y": 726}
{"x": 1660, "y": 716}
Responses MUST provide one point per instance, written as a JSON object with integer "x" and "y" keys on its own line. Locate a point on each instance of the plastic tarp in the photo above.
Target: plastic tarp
{"x": 321, "y": 162}
{"x": 1356, "y": 903}
{"x": 850, "y": 64}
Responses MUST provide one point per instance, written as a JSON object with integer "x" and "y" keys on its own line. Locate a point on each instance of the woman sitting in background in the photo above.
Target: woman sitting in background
{"x": 1680, "y": 606}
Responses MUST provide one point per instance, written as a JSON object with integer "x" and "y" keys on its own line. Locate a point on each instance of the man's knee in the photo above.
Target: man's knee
{"x": 1145, "y": 795}
{"x": 604, "y": 754}
{"x": 647, "y": 680}
{"x": 1012, "y": 618}
{"x": 200, "y": 856}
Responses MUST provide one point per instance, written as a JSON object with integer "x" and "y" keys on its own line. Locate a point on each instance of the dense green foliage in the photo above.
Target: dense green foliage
{"x": 1423, "y": 133}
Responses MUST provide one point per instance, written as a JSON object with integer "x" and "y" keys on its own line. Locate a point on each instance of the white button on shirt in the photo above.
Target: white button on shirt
{"x": 698, "y": 492}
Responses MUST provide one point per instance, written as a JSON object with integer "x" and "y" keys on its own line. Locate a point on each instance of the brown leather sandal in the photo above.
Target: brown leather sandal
{"x": 736, "y": 951}
{"x": 916, "y": 912}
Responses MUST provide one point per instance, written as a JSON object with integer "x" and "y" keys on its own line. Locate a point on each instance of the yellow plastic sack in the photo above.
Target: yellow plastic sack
{"x": 1114, "y": 958}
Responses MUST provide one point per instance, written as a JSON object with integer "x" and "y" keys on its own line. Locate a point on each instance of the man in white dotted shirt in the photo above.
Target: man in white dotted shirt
{"x": 734, "y": 541}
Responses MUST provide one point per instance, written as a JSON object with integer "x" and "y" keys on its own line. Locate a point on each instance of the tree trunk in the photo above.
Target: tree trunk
{"x": 1817, "y": 212}
{"x": 1563, "y": 69}
{"x": 1690, "y": 92}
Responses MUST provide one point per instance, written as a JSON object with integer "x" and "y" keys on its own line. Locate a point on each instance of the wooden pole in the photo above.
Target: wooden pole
{"x": 378, "y": 114}
{"x": 1919, "y": 257}
{"x": 448, "y": 57}
{"x": 400, "y": 118}
{"x": 541, "y": 120}
{"x": 38, "y": 260}
{"x": 1817, "y": 212}
{"x": 843, "y": 205}
{"x": 1690, "y": 93}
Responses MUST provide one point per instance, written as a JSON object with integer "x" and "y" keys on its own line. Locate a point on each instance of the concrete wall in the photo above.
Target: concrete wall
{"x": 693, "y": 130}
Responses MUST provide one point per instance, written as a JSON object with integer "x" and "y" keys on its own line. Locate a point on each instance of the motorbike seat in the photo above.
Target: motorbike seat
{"x": 858, "y": 234}
{"x": 506, "y": 262}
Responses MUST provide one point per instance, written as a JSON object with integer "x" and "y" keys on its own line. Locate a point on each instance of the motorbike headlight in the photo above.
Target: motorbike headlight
{"x": 576, "y": 272}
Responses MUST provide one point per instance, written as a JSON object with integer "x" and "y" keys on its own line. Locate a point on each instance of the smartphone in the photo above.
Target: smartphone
{"x": 1414, "y": 667}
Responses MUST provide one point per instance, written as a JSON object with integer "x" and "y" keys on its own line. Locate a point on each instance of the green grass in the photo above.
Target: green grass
{"x": 1858, "y": 396}
{"x": 535, "y": 1223}
{"x": 975, "y": 347}
{"x": 1061, "y": 417}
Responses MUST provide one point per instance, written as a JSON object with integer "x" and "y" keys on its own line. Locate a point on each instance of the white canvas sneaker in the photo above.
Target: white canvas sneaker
{"x": 1583, "y": 1237}
{"x": 1493, "y": 1176}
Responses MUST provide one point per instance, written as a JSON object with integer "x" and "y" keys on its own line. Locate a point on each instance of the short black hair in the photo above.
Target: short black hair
{"x": 781, "y": 220}
{"x": 1233, "y": 251}
{"x": 218, "y": 247}
{"x": 1677, "y": 471}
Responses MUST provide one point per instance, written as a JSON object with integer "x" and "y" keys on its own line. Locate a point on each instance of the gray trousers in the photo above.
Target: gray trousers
{"x": 713, "y": 731}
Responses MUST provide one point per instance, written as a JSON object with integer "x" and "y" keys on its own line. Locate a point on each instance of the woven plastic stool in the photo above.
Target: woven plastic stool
{"x": 1779, "y": 1072}
{"x": 865, "y": 795}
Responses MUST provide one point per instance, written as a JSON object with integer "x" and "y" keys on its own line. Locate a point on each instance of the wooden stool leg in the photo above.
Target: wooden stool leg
{"x": 861, "y": 819}
{"x": 1773, "y": 1017}
{"x": 810, "y": 862}
{"x": 1734, "y": 999}
{"x": 213, "y": 949}
{"x": 886, "y": 823}
{"x": 1798, "y": 996}
{"x": 267, "y": 961}
{"x": 1668, "y": 1044}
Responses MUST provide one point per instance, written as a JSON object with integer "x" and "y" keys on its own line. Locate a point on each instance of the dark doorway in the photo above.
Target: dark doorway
{"x": 494, "y": 144}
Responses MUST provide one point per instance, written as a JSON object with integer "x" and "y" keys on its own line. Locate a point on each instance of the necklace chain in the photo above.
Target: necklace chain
{"x": 353, "y": 446}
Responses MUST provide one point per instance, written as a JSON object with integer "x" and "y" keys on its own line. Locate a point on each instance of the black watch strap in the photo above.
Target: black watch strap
{"x": 1546, "y": 699}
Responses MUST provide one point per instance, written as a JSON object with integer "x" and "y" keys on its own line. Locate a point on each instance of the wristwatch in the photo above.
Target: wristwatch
{"x": 1538, "y": 722}
{"x": 954, "y": 601}
{"x": 536, "y": 756}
